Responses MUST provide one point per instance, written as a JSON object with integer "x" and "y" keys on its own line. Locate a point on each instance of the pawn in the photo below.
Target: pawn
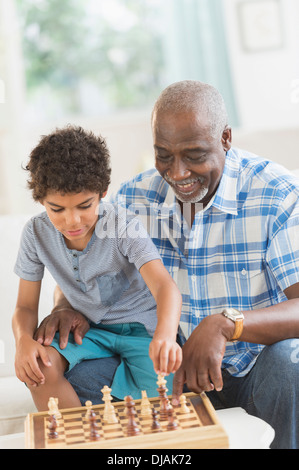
{"x": 52, "y": 426}
{"x": 88, "y": 405}
{"x": 172, "y": 424}
{"x": 94, "y": 435}
{"x": 155, "y": 423}
{"x": 184, "y": 408}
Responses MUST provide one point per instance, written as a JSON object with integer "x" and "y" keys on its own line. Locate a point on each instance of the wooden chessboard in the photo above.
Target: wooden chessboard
{"x": 198, "y": 429}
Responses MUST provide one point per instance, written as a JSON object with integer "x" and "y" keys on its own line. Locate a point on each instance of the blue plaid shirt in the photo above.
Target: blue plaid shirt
{"x": 242, "y": 250}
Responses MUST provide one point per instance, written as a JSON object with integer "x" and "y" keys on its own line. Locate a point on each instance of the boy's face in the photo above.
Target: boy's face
{"x": 74, "y": 215}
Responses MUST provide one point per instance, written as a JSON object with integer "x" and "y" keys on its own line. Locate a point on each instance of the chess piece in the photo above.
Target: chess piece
{"x": 94, "y": 435}
{"x": 164, "y": 402}
{"x": 132, "y": 428}
{"x": 172, "y": 424}
{"x": 145, "y": 405}
{"x": 52, "y": 426}
{"x": 109, "y": 411}
{"x": 88, "y": 405}
{"x": 156, "y": 427}
{"x": 184, "y": 409}
{"x": 53, "y": 407}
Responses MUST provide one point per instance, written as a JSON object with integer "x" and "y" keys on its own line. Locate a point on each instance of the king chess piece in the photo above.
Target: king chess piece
{"x": 164, "y": 402}
{"x": 132, "y": 428}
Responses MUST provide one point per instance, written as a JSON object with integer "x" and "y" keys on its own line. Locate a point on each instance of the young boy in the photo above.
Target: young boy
{"x": 107, "y": 268}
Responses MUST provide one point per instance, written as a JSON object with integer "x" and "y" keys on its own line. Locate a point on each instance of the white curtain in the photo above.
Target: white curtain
{"x": 11, "y": 110}
{"x": 196, "y": 46}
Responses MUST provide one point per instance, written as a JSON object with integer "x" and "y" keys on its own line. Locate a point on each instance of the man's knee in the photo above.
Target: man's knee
{"x": 283, "y": 358}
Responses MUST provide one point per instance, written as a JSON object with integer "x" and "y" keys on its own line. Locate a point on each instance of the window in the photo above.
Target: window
{"x": 90, "y": 57}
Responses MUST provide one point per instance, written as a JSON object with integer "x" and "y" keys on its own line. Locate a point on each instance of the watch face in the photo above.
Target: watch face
{"x": 233, "y": 314}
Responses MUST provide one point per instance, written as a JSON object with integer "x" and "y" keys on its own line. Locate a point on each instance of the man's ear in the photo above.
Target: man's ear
{"x": 226, "y": 138}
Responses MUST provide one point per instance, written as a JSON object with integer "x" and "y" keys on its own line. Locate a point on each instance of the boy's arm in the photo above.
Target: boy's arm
{"x": 24, "y": 323}
{"x": 164, "y": 350}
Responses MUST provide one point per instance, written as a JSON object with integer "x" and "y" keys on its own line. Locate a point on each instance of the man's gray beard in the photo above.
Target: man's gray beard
{"x": 198, "y": 198}
{"x": 203, "y": 192}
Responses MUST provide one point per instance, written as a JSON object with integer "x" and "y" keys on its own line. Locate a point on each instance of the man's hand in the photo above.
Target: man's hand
{"x": 202, "y": 357}
{"x": 64, "y": 320}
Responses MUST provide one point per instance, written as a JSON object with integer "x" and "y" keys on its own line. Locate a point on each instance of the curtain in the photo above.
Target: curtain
{"x": 196, "y": 47}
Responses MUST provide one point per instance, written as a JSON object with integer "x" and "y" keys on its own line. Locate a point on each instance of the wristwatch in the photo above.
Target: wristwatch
{"x": 237, "y": 317}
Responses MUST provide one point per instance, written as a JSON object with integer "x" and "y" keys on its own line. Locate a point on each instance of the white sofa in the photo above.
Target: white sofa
{"x": 15, "y": 399}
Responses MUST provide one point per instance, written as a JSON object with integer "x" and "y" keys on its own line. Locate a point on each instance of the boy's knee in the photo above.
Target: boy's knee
{"x": 57, "y": 367}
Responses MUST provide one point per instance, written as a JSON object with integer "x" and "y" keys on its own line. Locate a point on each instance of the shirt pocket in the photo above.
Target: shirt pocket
{"x": 249, "y": 286}
{"x": 111, "y": 287}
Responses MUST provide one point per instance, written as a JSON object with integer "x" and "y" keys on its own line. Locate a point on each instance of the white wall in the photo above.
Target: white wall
{"x": 264, "y": 80}
{"x": 268, "y": 108}
{"x": 129, "y": 140}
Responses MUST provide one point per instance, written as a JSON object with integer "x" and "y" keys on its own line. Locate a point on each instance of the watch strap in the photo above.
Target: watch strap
{"x": 237, "y": 317}
{"x": 238, "y": 330}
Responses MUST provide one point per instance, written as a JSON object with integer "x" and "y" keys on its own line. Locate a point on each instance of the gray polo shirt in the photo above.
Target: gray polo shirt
{"x": 102, "y": 281}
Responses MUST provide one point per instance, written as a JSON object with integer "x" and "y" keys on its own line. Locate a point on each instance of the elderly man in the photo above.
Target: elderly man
{"x": 226, "y": 223}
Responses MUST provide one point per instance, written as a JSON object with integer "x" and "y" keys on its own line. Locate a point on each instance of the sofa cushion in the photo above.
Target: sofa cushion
{"x": 15, "y": 404}
{"x": 10, "y": 229}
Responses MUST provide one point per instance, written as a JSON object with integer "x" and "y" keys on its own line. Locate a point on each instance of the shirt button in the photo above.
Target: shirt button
{"x": 75, "y": 268}
{"x": 193, "y": 277}
{"x": 244, "y": 272}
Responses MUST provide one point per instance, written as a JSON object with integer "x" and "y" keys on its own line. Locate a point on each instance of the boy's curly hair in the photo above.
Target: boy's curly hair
{"x": 69, "y": 160}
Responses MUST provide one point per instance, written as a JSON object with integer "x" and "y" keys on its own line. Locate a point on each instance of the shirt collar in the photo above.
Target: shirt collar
{"x": 226, "y": 197}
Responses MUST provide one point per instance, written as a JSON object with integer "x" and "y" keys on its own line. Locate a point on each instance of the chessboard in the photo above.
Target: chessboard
{"x": 191, "y": 425}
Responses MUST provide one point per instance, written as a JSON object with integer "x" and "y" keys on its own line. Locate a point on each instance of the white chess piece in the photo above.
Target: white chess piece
{"x": 184, "y": 408}
{"x": 109, "y": 411}
{"x": 53, "y": 407}
{"x": 146, "y": 409}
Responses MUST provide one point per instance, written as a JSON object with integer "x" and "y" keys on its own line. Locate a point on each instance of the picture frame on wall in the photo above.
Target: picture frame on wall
{"x": 260, "y": 23}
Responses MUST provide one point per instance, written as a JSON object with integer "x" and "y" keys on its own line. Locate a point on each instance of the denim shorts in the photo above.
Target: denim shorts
{"x": 130, "y": 341}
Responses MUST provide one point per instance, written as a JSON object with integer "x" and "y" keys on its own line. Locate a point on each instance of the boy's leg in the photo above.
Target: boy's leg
{"x": 136, "y": 371}
{"x": 91, "y": 365}
{"x": 56, "y": 385}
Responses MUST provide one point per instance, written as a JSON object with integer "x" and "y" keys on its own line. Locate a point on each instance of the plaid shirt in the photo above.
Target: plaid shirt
{"x": 242, "y": 250}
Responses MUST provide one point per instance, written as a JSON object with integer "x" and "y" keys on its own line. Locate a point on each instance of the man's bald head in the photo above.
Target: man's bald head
{"x": 197, "y": 97}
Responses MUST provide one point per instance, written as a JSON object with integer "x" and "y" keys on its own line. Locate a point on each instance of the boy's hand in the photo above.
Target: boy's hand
{"x": 166, "y": 355}
{"x": 26, "y": 361}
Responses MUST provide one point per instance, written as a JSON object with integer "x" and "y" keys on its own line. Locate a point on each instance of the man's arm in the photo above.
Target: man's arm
{"x": 64, "y": 319}
{"x": 204, "y": 350}
{"x": 276, "y": 323}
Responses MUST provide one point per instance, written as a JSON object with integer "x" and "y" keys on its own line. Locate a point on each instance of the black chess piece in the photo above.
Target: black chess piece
{"x": 52, "y": 426}
{"x": 155, "y": 423}
{"x": 132, "y": 428}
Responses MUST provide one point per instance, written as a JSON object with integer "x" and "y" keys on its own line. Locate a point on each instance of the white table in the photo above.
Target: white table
{"x": 244, "y": 431}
